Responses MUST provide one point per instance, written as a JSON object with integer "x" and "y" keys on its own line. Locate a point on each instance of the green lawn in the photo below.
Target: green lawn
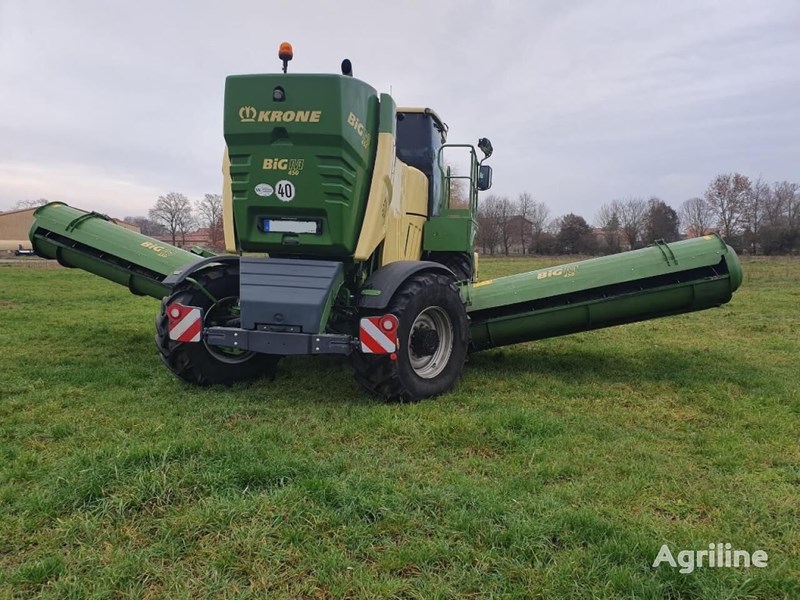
{"x": 555, "y": 469}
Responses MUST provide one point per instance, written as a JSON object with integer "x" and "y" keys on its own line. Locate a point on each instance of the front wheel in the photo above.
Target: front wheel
{"x": 432, "y": 342}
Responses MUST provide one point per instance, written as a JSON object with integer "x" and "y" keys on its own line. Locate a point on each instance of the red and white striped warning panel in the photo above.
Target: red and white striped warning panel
{"x": 185, "y": 322}
{"x": 378, "y": 335}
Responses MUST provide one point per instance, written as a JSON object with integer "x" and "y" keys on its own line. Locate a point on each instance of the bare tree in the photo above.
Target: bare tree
{"x": 753, "y": 212}
{"x": 505, "y": 214}
{"x": 696, "y": 217}
{"x": 727, "y": 194}
{"x": 790, "y": 197}
{"x": 23, "y": 204}
{"x": 608, "y": 220}
{"x": 174, "y": 211}
{"x": 776, "y": 217}
{"x": 525, "y": 204}
{"x": 209, "y": 214}
{"x": 538, "y": 216}
{"x": 793, "y": 217}
{"x": 632, "y": 212}
{"x": 488, "y": 231}
{"x": 776, "y": 204}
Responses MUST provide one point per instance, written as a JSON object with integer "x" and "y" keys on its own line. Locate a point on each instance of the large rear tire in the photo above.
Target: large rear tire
{"x": 460, "y": 263}
{"x": 432, "y": 342}
{"x": 197, "y": 362}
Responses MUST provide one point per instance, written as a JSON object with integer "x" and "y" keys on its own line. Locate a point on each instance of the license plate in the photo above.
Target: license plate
{"x": 290, "y": 226}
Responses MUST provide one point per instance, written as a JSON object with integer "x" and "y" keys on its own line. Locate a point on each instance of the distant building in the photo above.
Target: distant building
{"x": 691, "y": 232}
{"x": 200, "y": 237}
{"x": 610, "y": 241}
{"x": 15, "y": 225}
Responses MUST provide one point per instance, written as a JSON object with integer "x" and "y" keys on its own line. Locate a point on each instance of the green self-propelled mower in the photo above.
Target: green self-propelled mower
{"x": 343, "y": 238}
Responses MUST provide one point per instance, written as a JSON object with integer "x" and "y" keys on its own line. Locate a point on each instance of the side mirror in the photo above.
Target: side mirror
{"x": 484, "y": 178}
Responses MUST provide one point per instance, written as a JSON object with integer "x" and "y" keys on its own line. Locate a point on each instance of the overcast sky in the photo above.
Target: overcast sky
{"x": 108, "y": 104}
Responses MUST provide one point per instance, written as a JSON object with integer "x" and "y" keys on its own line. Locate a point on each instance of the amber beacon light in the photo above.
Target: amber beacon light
{"x": 285, "y": 53}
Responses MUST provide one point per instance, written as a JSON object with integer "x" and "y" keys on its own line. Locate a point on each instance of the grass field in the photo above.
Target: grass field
{"x": 555, "y": 469}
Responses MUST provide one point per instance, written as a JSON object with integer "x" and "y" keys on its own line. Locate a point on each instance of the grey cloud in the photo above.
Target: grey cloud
{"x": 109, "y": 104}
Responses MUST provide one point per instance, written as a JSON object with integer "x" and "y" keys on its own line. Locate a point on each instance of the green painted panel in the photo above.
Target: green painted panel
{"x": 647, "y": 262}
{"x": 450, "y": 232}
{"x": 306, "y": 157}
{"x": 90, "y": 242}
{"x": 634, "y": 286}
{"x": 388, "y": 110}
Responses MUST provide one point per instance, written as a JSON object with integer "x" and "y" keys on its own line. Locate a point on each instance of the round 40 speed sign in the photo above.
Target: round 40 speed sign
{"x": 284, "y": 190}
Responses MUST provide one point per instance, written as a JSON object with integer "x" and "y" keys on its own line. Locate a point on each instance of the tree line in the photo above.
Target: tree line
{"x": 752, "y": 216}
{"x": 174, "y": 216}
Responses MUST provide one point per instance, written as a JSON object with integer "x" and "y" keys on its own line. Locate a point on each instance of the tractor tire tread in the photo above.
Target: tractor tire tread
{"x": 191, "y": 362}
{"x": 460, "y": 263}
{"x": 379, "y": 374}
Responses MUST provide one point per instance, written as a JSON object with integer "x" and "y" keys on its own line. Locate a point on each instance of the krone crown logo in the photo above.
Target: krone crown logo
{"x": 247, "y": 114}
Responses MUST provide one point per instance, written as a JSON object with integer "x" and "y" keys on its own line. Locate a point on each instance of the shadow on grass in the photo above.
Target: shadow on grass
{"x": 326, "y": 380}
{"x": 649, "y": 365}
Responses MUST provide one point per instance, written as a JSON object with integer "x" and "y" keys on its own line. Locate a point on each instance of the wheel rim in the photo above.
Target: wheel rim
{"x": 225, "y": 313}
{"x": 429, "y": 365}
